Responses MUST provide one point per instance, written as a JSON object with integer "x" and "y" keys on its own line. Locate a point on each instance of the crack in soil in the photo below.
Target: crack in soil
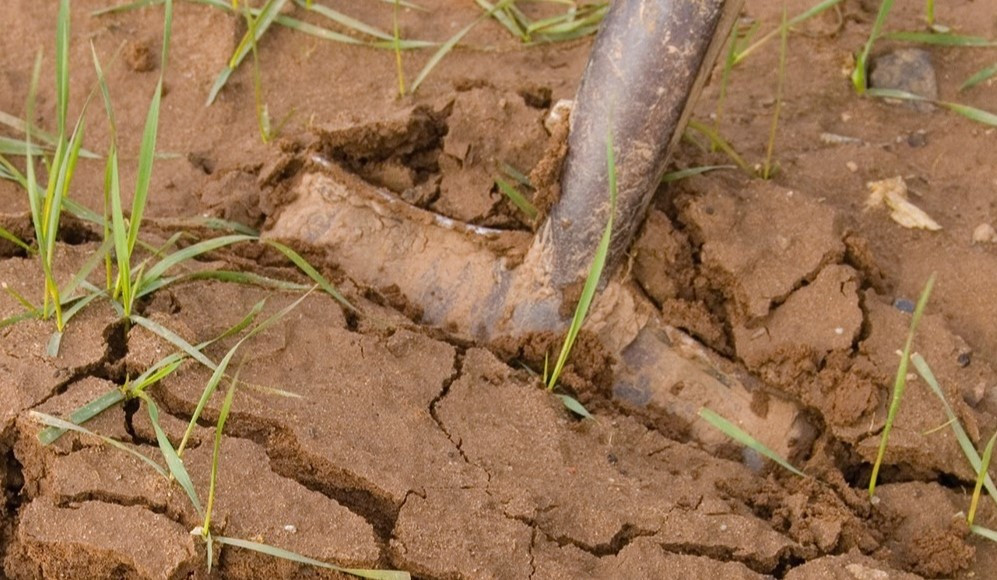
{"x": 11, "y": 484}
{"x": 72, "y": 501}
{"x": 457, "y": 373}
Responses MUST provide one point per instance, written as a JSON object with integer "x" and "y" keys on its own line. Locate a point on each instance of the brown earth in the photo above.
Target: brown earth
{"x": 413, "y": 448}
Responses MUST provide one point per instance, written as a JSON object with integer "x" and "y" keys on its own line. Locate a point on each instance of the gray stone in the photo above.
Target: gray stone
{"x": 909, "y": 70}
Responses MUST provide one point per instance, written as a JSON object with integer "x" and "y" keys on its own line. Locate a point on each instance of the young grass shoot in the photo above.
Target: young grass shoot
{"x": 900, "y": 383}
{"x": 590, "y": 287}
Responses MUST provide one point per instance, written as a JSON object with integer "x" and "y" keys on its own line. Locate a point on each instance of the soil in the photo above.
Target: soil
{"x": 394, "y": 444}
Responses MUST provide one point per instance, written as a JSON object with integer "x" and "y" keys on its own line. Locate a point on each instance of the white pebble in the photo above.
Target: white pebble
{"x": 984, "y": 233}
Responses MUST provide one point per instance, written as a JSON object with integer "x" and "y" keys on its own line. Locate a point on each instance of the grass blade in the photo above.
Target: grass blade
{"x": 345, "y": 20}
{"x": 691, "y": 171}
{"x": 572, "y": 404}
{"x": 57, "y": 423}
{"x": 718, "y": 141}
{"x": 190, "y": 252}
{"x": 859, "y": 80}
{"x": 312, "y": 273}
{"x": 900, "y": 383}
{"x": 219, "y": 371}
{"x": 84, "y": 414}
{"x": 984, "y": 532}
{"x": 294, "y": 557}
{"x": 802, "y": 17}
{"x": 267, "y": 15}
{"x": 971, "y": 113}
{"x": 517, "y": 198}
{"x": 737, "y": 434}
{"x": 781, "y": 80}
{"x": 146, "y": 158}
{"x": 981, "y": 475}
{"x": 216, "y": 452}
{"x": 173, "y": 461}
{"x": 452, "y": 42}
{"x": 6, "y": 235}
{"x": 968, "y": 449}
{"x": 939, "y": 39}
{"x": 595, "y": 271}
{"x": 173, "y": 338}
{"x": 979, "y": 77}
{"x": 62, "y": 67}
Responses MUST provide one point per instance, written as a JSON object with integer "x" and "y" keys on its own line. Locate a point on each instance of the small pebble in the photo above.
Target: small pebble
{"x": 839, "y": 331}
{"x": 852, "y": 166}
{"x": 290, "y": 528}
{"x": 984, "y": 233}
{"x": 917, "y": 139}
{"x": 904, "y": 305}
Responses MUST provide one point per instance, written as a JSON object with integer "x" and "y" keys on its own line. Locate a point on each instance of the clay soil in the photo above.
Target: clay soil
{"x": 413, "y": 448}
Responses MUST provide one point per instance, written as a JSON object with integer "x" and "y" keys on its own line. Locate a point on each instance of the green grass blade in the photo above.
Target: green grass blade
{"x": 719, "y": 142}
{"x": 216, "y": 452}
{"x": 10, "y": 146}
{"x": 452, "y": 42}
{"x": 517, "y": 198}
{"x": 119, "y": 231}
{"x": 190, "y": 252}
{"x": 6, "y": 235}
{"x": 572, "y": 404}
{"x": 900, "y": 383}
{"x": 311, "y": 272}
{"x": 971, "y": 113}
{"x": 516, "y": 175}
{"x": 979, "y": 77}
{"x": 174, "y": 339}
{"x": 209, "y": 390}
{"x": 246, "y": 278}
{"x": 504, "y": 19}
{"x": 219, "y": 371}
{"x": 146, "y": 158}
{"x": 62, "y": 67}
{"x": 798, "y": 19}
{"x": 89, "y": 265}
{"x": 77, "y": 304}
{"x": 595, "y": 271}
{"x": 781, "y": 80}
{"x": 267, "y": 15}
{"x": 294, "y": 557}
{"x": 173, "y": 461}
{"x": 84, "y": 414}
{"x": 859, "y": 80}
{"x": 938, "y": 39}
{"x": 968, "y": 449}
{"x": 345, "y": 20}
{"x": 681, "y": 174}
{"x": 737, "y": 434}
{"x": 981, "y": 475}
{"x": 57, "y": 423}
{"x": 984, "y": 532}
